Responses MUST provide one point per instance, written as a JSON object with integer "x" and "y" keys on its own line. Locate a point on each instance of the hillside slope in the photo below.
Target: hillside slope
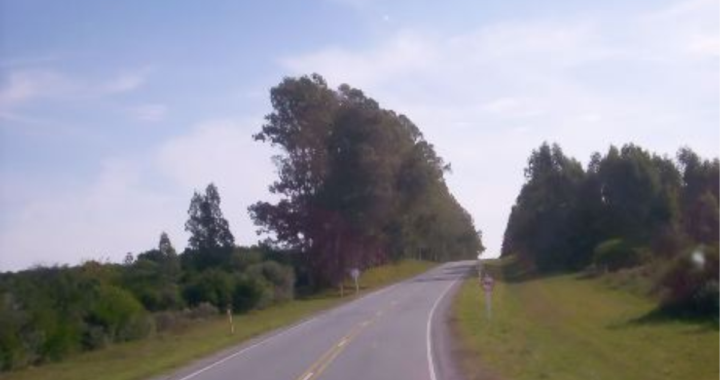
{"x": 570, "y": 327}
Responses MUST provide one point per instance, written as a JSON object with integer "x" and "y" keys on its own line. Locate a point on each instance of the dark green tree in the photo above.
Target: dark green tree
{"x": 358, "y": 183}
{"x": 699, "y": 200}
{"x": 208, "y": 229}
{"x": 541, "y": 227}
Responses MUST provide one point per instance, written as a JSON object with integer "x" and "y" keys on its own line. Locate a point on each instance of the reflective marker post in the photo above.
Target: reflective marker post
{"x": 488, "y": 283}
{"x": 230, "y": 319}
{"x": 355, "y": 274}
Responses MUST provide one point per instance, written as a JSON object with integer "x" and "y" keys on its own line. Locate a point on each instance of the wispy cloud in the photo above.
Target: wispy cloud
{"x": 131, "y": 199}
{"x": 150, "y": 112}
{"x": 22, "y": 89}
{"x": 126, "y": 82}
{"x": 22, "y": 86}
{"x": 705, "y": 45}
{"x": 28, "y": 61}
{"x": 25, "y": 85}
{"x": 485, "y": 97}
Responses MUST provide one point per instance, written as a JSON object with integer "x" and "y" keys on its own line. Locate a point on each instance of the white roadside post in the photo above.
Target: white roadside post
{"x": 230, "y": 319}
{"x": 488, "y": 283}
{"x": 355, "y": 274}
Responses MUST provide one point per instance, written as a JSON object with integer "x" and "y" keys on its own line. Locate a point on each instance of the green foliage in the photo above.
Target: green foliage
{"x": 213, "y": 286}
{"x": 119, "y": 314}
{"x": 250, "y": 293}
{"x": 359, "y": 185}
{"x": 564, "y": 213}
{"x": 542, "y": 223}
{"x": 700, "y": 196}
{"x": 53, "y": 312}
{"x": 615, "y": 254}
{"x": 242, "y": 258}
{"x": 690, "y": 283}
{"x": 208, "y": 228}
{"x": 566, "y": 218}
{"x": 281, "y": 279}
{"x": 638, "y": 193}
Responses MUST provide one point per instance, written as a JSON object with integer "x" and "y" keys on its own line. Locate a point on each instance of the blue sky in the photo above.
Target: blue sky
{"x": 112, "y": 113}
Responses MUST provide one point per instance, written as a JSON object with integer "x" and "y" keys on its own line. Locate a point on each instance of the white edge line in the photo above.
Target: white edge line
{"x": 431, "y": 364}
{"x": 266, "y": 340}
{"x": 309, "y": 375}
{"x": 270, "y": 338}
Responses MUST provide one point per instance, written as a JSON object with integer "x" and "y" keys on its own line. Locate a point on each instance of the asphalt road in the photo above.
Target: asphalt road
{"x": 397, "y": 333}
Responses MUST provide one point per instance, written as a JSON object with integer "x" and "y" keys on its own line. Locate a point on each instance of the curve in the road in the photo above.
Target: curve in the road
{"x": 383, "y": 335}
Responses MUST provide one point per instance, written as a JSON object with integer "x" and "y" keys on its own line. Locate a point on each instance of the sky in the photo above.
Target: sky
{"x": 113, "y": 113}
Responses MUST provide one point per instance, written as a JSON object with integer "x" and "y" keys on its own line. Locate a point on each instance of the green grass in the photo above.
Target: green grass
{"x": 162, "y": 353}
{"x": 568, "y": 327}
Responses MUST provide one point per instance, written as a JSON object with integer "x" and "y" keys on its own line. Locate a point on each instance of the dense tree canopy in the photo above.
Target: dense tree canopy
{"x": 648, "y": 202}
{"x": 359, "y": 184}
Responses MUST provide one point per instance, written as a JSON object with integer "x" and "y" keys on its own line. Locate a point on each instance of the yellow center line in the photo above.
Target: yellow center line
{"x": 334, "y": 355}
{"x": 324, "y": 361}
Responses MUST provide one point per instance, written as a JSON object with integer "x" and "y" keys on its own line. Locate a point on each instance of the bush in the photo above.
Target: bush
{"x": 615, "y": 254}
{"x": 690, "y": 283}
{"x": 250, "y": 293}
{"x": 242, "y": 258}
{"x": 202, "y": 311}
{"x": 213, "y": 286}
{"x": 178, "y": 319}
{"x": 120, "y": 315}
{"x": 280, "y": 278}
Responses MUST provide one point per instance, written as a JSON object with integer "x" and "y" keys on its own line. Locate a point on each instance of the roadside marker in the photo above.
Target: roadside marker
{"x": 488, "y": 283}
{"x": 355, "y": 274}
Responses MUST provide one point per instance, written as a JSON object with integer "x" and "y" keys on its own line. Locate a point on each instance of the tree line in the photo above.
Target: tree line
{"x": 48, "y": 313}
{"x": 359, "y": 187}
{"x": 626, "y": 208}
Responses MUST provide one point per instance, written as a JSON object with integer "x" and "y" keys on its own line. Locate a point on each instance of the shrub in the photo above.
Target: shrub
{"x": 615, "y": 254}
{"x": 250, "y": 293}
{"x": 213, "y": 286}
{"x": 242, "y": 258}
{"x": 178, "y": 319}
{"x": 690, "y": 283}
{"x": 94, "y": 337}
{"x": 203, "y": 310}
{"x": 281, "y": 279}
{"x": 120, "y": 314}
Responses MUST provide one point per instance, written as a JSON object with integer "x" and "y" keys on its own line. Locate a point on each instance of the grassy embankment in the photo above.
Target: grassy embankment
{"x": 163, "y": 352}
{"x": 570, "y": 327}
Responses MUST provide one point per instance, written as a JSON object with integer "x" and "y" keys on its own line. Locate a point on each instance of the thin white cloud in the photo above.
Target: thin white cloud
{"x": 150, "y": 112}
{"x": 705, "y": 45}
{"x": 27, "y": 61}
{"x": 356, "y": 4}
{"x": 133, "y": 198}
{"x": 125, "y": 82}
{"x": 486, "y": 97}
{"x": 22, "y": 86}
{"x": 404, "y": 54}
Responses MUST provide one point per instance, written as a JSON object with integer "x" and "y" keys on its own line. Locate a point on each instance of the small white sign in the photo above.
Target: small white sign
{"x": 354, "y": 273}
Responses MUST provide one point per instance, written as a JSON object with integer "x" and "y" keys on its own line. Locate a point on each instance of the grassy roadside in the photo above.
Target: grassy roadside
{"x": 164, "y": 352}
{"x": 566, "y": 327}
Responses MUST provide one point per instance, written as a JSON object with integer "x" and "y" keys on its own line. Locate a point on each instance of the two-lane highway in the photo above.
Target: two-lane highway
{"x": 393, "y": 334}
